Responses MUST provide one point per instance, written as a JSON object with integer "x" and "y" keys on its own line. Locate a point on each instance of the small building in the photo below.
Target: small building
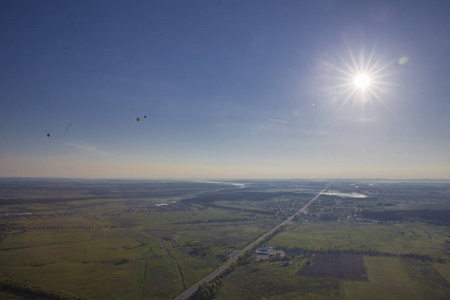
{"x": 263, "y": 250}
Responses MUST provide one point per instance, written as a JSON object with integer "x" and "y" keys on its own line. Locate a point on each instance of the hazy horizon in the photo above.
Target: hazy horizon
{"x": 229, "y": 180}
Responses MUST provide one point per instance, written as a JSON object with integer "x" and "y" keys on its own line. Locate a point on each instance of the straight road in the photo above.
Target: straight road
{"x": 187, "y": 293}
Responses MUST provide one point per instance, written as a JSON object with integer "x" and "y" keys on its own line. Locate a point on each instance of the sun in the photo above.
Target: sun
{"x": 358, "y": 79}
{"x": 362, "y": 81}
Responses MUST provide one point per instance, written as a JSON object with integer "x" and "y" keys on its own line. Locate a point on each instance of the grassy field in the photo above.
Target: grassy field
{"x": 444, "y": 270}
{"x": 387, "y": 280}
{"x": 393, "y": 278}
{"x": 428, "y": 280}
{"x": 390, "y": 274}
{"x": 269, "y": 280}
{"x": 151, "y": 240}
{"x": 76, "y": 248}
{"x": 394, "y": 238}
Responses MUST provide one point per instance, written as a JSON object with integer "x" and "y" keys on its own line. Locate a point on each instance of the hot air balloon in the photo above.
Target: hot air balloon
{"x": 48, "y": 134}
{"x": 145, "y": 117}
{"x": 67, "y": 129}
{"x": 137, "y": 119}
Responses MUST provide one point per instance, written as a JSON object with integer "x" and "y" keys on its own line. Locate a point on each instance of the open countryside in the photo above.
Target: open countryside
{"x": 140, "y": 239}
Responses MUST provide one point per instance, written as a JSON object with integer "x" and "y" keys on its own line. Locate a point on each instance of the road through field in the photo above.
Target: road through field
{"x": 187, "y": 293}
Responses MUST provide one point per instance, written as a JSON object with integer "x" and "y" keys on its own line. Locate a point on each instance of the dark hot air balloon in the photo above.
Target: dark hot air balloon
{"x": 48, "y": 134}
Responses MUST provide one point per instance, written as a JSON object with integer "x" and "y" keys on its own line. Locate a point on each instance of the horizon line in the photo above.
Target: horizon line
{"x": 224, "y": 179}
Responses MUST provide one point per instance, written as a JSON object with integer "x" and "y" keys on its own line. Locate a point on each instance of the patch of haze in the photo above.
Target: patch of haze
{"x": 345, "y": 195}
{"x": 278, "y": 121}
{"x": 240, "y": 185}
{"x": 85, "y": 147}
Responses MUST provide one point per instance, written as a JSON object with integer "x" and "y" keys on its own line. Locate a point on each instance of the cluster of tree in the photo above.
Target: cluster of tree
{"x": 245, "y": 259}
{"x": 424, "y": 257}
{"x": 308, "y": 252}
{"x": 385, "y": 204}
{"x": 211, "y": 221}
{"x": 250, "y": 210}
{"x": 222, "y": 257}
{"x": 122, "y": 261}
{"x": 208, "y": 198}
{"x": 286, "y": 258}
{"x": 200, "y": 249}
{"x": 209, "y": 290}
{"x": 267, "y": 238}
{"x": 440, "y": 217}
{"x": 33, "y": 292}
{"x": 230, "y": 268}
{"x": 11, "y": 226}
{"x": 114, "y": 262}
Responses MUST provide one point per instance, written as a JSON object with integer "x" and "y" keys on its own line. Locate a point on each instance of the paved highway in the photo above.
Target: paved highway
{"x": 187, "y": 293}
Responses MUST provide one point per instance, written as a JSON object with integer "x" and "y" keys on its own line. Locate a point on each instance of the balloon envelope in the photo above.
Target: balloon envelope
{"x": 48, "y": 134}
{"x": 137, "y": 119}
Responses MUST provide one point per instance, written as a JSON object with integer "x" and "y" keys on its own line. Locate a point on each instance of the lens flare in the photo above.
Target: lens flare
{"x": 403, "y": 60}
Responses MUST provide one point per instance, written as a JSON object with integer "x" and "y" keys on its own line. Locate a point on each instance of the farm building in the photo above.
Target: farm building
{"x": 264, "y": 250}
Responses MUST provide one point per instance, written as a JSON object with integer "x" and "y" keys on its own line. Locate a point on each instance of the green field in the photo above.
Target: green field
{"x": 153, "y": 240}
{"x": 76, "y": 251}
{"x": 392, "y": 278}
{"x": 269, "y": 280}
{"x": 387, "y": 280}
{"x": 393, "y": 238}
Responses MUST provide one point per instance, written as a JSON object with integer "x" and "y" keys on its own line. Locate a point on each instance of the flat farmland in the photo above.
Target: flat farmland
{"x": 394, "y": 238}
{"x": 340, "y": 266}
{"x": 270, "y": 280}
{"x": 122, "y": 250}
{"x": 115, "y": 239}
{"x": 394, "y": 278}
{"x": 128, "y": 246}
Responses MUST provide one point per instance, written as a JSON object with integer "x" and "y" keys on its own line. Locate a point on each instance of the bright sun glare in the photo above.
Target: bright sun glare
{"x": 362, "y": 81}
{"x": 362, "y": 78}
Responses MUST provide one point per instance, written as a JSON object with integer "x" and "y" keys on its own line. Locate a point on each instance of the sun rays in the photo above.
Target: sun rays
{"x": 359, "y": 79}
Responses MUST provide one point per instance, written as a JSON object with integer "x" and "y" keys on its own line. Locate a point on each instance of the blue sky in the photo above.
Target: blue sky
{"x": 231, "y": 89}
